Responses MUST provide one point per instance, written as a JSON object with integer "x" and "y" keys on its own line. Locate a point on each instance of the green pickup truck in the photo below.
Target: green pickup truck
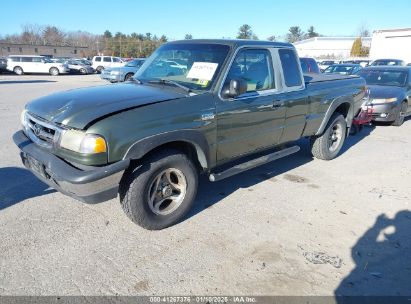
{"x": 217, "y": 107}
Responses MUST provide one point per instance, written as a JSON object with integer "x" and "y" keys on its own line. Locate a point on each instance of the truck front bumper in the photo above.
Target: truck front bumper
{"x": 92, "y": 186}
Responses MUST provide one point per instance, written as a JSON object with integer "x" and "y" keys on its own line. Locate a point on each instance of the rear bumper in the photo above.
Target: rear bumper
{"x": 91, "y": 186}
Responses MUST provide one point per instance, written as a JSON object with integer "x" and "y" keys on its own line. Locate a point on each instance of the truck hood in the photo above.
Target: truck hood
{"x": 79, "y": 107}
{"x": 379, "y": 92}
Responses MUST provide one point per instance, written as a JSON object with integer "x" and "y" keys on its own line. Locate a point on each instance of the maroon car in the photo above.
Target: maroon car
{"x": 309, "y": 65}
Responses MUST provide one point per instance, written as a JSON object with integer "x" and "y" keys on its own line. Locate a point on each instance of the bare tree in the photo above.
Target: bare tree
{"x": 363, "y": 31}
{"x": 31, "y": 34}
{"x": 53, "y": 36}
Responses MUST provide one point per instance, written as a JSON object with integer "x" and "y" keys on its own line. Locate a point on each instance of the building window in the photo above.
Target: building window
{"x": 36, "y": 50}
{"x": 8, "y": 49}
{"x": 75, "y": 52}
{"x": 20, "y": 50}
{"x": 55, "y": 51}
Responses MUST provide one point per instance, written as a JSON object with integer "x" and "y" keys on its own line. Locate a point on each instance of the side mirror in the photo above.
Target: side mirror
{"x": 237, "y": 87}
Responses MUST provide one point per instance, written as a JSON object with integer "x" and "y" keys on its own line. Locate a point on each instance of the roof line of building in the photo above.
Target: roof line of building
{"x": 394, "y": 30}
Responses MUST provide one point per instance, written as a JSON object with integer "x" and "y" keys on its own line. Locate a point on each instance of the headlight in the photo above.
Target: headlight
{"x": 81, "y": 142}
{"x": 23, "y": 118}
{"x": 384, "y": 100}
{"x": 115, "y": 72}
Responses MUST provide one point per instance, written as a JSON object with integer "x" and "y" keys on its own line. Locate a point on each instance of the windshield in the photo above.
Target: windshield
{"x": 386, "y": 62}
{"x": 384, "y": 77}
{"x": 134, "y": 63}
{"x": 340, "y": 69}
{"x": 194, "y": 66}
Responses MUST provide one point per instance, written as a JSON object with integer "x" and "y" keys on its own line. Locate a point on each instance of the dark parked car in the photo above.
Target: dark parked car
{"x": 362, "y": 62}
{"x": 3, "y": 64}
{"x": 149, "y": 139}
{"x": 389, "y": 62}
{"x": 76, "y": 66}
{"x": 343, "y": 69}
{"x": 390, "y": 92}
{"x": 309, "y": 65}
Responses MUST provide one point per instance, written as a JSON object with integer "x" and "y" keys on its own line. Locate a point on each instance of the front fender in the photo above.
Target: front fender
{"x": 192, "y": 137}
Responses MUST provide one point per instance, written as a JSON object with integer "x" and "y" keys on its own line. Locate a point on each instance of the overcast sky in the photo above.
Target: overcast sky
{"x": 208, "y": 18}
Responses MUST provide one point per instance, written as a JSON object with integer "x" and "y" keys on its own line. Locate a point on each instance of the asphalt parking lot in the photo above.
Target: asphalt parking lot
{"x": 297, "y": 226}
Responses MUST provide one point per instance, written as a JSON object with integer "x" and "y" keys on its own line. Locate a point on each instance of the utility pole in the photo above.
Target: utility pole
{"x": 120, "y": 46}
{"x": 98, "y": 49}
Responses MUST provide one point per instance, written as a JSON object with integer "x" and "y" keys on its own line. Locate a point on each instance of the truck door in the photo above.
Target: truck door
{"x": 251, "y": 121}
{"x": 293, "y": 97}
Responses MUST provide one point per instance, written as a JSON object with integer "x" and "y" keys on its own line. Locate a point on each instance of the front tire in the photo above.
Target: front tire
{"x": 401, "y": 115}
{"x": 128, "y": 76}
{"x": 329, "y": 144}
{"x": 99, "y": 69}
{"x": 83, "y": 71}
{"x": 160, "y": 191}
{"x": 54, "y": 72}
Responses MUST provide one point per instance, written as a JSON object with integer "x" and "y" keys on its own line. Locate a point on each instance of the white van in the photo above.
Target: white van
{"x": 21, "y": 64}
{"x": 102, "y": 62}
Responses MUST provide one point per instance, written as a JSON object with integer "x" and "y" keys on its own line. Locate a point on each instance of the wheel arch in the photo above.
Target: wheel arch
{"x": 342, "y": 106}
{"x": 192, "y": 143}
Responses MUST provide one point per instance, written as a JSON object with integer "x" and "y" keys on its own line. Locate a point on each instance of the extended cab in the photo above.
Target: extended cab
{"x": 149, "y": 139}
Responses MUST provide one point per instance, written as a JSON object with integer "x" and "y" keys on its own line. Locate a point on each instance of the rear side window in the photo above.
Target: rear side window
{"x": 97, "y": 59}
{"x": 106, "y": 59}
{"x": 313, "y": 66}
{"x": 15, "y": 59}
{"x": 304, "y": 66}
{"x": 291, "y": 68}
{"x": 26, "y": 59}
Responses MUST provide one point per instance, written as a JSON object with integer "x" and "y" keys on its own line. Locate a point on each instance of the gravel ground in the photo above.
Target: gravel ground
{"x": 297, "y": 226}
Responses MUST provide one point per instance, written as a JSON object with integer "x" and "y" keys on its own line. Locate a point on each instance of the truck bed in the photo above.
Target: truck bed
{"x": 313, "y": 78}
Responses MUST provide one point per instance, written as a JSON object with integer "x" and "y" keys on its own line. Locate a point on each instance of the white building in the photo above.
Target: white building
{"x": 391, "y": 44}
{"x": 328, "y": 47}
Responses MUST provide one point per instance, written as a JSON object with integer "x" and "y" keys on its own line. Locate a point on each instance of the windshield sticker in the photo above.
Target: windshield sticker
{"x": 202, "y": 82}
{"x": 202, "y": 70}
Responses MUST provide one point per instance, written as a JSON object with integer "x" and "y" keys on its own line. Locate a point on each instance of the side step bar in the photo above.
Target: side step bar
{"x": 213, "y": 177}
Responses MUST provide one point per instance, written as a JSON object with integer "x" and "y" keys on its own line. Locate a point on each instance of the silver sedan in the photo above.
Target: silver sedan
{"x": 123, "y": 73}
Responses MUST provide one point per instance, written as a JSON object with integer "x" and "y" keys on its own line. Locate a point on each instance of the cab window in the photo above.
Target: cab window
{"x": 291, "y": 68}
{"x": 116, "y": 59}
{"x": 255, "y": 67}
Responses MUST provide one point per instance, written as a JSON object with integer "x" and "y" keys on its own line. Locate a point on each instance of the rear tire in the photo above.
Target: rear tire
{"x": 54, "y": 71}
{"x": 18, "y": 70}
{"x": 401, "y": 115}
{"x": 329, "y": 144}
{"x": 160, "y": 191}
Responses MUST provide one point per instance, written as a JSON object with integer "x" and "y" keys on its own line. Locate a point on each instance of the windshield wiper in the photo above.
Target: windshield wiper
{"x": 174, "y": 83}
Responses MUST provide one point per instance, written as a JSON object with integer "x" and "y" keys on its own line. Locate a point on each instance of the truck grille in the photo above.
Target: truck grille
{"x": 41, "y": 132}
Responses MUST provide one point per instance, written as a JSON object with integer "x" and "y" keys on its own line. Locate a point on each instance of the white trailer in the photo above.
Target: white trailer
{"x": 391, "y": 44}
